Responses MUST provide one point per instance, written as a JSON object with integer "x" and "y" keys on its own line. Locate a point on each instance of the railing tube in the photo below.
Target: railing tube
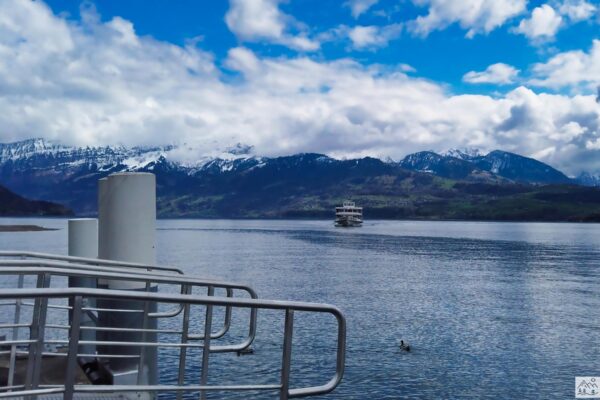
{"x": 286, "y": 361}
{"x": 15, "y": 336}
{"x": 141, "y": 373}
{"x": 73, "y": 348}
{"x": 38, "y": 323}
{"x": 339, "y": 365}
{"x": 206, "y": 349}
{"x": 184, "y": 339}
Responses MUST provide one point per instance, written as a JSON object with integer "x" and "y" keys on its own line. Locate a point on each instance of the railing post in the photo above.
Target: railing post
{"x": 287, "y": 354}
{"x": 184, "y": 339}
{"x": 15, "y": 336}
{"x": 38, "y": 324}
{"x": 141, "y": 373}
{"x": 73, "y": 348}
{"x": 206, "y": 348}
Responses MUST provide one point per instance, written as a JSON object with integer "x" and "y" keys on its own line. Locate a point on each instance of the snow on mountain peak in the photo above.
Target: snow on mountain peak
{"x": 41, "y": 151}
{"x": 467, "y": 153}
{"x": 27, "y": 148}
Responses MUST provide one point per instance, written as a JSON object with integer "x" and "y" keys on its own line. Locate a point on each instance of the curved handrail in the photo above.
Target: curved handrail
{"x": 98, "y": 262}
{"x": 88, "y": 261}
{"x": 69, "y": 265}
{"x": 68, "y": 269}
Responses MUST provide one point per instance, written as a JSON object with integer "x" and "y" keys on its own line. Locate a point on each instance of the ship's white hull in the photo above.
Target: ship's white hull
{"x": 348, "y": 222}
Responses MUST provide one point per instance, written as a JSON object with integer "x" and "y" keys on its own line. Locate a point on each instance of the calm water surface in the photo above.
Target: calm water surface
{"x": 492, "y": 310}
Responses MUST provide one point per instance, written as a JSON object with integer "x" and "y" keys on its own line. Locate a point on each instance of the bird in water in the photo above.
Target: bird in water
{"x": 404, "y": 346}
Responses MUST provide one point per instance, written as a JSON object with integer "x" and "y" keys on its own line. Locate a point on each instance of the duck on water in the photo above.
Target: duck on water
{"x": 404, "y": 346}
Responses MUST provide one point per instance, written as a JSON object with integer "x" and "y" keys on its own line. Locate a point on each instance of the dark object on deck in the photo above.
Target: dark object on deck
{"x": 404, "y": 346}
{"x": 96, "y": 373}
{"x": 53, "y": 371}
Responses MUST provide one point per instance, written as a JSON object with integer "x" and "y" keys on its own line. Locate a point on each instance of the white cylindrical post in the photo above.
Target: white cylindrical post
{"x": 127, "y": 225}
{"x": 83, "y": 242}
{"x": 83, "y": 237}
{"x": 127, "y": 213}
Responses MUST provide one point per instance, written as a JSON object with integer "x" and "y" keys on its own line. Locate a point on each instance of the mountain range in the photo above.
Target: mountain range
{"x": 234, "y": 182}
{"x": 461, "y": 164}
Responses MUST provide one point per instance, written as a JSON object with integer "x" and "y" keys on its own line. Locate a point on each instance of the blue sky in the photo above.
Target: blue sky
{"x": 347, "y": 78}
{"x": 444, "y": 55}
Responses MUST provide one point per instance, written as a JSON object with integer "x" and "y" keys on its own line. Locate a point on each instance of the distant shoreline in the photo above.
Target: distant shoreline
{"x": 24, "y": 228}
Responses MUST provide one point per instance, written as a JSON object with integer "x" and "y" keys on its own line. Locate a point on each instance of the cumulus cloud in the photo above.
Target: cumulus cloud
{"x": 577, "y": 10}
{"x": 574, "y": 68}
{"x": 95, "y": 82}
{"x": 543, "y": 23}
{"x": 358, "y": 7}
{"x": 501, "y": 74}
{"x": 476, "y": 16}
{"x": 262, "y": 20}
{"x": 369, "y": 37}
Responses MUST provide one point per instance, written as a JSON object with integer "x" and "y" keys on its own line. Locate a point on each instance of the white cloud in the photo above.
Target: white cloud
{"x": 262, "y": 20}
{"x": 243, "y": 60}
{"x": 593, "y": 144}
{"x": 406, "y": 68}
{"x": 49, "y": 34}
{"x": 369, "y": 37}
{"x": 543, "y": 23}
{"x": 101, "y": 83}
{"x": 499, "y": 73}
{"x": 577, "y": 10}
{"x": 358, "y": 7}
{"x": 572, "y": 68}
{"x": 476, "y": 16}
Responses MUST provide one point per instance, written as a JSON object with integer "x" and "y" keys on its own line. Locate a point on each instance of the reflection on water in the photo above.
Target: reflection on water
{"x": 491, "y": 310}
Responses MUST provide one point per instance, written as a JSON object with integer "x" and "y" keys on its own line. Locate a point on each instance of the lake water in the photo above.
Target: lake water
{"x": 491, "y": 310}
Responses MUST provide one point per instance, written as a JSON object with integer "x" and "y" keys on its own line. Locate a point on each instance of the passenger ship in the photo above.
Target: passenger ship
{"x": 348, "y": 215}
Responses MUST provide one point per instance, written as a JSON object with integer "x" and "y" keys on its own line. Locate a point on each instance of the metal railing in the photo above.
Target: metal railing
{"x": 37, "y": 343}
{"x": 23, "y": 255}
{"x": 43, "y": 271}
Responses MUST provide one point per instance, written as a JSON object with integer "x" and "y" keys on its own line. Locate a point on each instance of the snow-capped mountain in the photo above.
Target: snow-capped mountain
{"x": 518, "y": 168}
{"x": 587, "y": 179}
{"x": 41, "y": 154}
{"x": 42, "y": 169}
{"x": 446, "y": 166}
{"x": 234, "y": 182}
{"x": 466, "y": 154}
{"x": 460, "y": 164}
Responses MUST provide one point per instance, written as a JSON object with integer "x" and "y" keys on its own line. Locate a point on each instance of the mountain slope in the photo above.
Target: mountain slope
{"x": 12, "y": 204}
{"x": 470, "y": 164}
{"x": 520, "y": 169}
{"x": 37, "y": 168}
{"x": 445, "y": 166}
{"x": 311, "y": 185}
{"x": 587, "y": 179}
